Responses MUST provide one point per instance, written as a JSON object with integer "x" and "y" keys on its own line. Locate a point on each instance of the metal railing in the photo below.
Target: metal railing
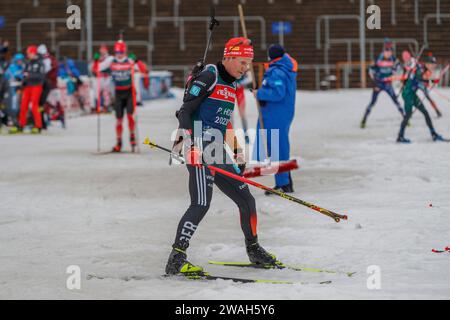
{"x": 372, "y": 41}
{"x": 326, "y": 19}
{"x": 182, "y": 30}
{"x": 425, "y": 24}
{"x": 51, "y": 21}
{"x": 174, "y": 67}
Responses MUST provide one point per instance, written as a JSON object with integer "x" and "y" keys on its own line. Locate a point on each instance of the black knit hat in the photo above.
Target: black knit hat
{"x": 275, "y": 51}
{"x": 430, "y": 58}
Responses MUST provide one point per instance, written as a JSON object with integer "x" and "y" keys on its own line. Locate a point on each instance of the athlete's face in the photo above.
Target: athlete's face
{"x": 430, "y": 66}
{"x": 387, "y": 54}
{"x": 237, "y": 67}
{"x": 120, "y": 55}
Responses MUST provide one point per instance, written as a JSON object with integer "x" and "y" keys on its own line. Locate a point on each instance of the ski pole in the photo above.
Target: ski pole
{"x": 442, "y": 96}
{"x": 133, "y": 97}
{"x": 252, "y": 72}
{"x": 335, "y": 216}
{"x": 213, "y": 22}
{"x": 200, "y": 64}
{"x": 98, "y": 111}
{"x": 172, "y": 154}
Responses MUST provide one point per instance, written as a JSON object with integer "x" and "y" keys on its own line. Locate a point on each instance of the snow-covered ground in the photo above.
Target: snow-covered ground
{"x": 116, "y": 215}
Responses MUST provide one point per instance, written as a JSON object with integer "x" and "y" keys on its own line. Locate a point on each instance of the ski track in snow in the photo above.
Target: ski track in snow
{"x": 116, "y": 215}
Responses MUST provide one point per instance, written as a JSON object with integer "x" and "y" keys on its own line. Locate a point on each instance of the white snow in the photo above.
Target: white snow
{"x": 116, "y": 215}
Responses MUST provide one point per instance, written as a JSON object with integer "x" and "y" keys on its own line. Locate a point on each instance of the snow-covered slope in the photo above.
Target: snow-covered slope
{"x": 116, "y": 215}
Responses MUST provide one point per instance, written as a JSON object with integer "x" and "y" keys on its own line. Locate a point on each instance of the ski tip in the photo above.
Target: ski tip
{"x": 146, "y": 140}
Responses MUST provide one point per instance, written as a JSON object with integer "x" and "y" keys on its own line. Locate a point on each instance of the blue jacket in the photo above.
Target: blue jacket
{"x": 14, "y": 72}
{"x": 277, "y": 97}
{"x": 67, "y": 68}
{"x": 383, "y": 69}
{"x": 277, "y": 93}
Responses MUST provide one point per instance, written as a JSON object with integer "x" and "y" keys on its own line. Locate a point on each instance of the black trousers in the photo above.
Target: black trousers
{"x": 201, "y": 182}
{"x": 124, "y": 102}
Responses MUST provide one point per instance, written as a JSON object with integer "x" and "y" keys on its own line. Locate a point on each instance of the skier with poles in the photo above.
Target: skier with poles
{"x": 412, "y": 82}
{"x": 382, "y": 75}
{"x": 122, "y": 70}
{"x": 207, "y": 108}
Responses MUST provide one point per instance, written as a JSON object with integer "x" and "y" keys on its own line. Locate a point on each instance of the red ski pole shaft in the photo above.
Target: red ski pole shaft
{"x": 133, "y": 97}
{"x": 337, "y": 217}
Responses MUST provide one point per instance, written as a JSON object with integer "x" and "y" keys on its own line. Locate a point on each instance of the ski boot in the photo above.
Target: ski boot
{"x": 260, "y": 257}
{"x": 118, "y": 146}
{"x": 403, "y": 140}
{"x": 437, "y": 137}
{"x": 285, "y": 189}
{"x": 62, "y": 118}
{"x": 178, "y": 264}
{"x": 15, "y": 130}
{"x": 362, "y": 124}
{"x": 36, "y": 130}
{"x": 133, "y": 142}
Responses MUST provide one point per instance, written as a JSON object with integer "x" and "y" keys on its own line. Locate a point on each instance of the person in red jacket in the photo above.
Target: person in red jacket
{"x": 103, "y": 81}
{"x": 34, "y": 75}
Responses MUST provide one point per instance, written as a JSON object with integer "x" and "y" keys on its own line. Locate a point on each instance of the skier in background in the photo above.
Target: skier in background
{"x": 429, "y": 65}
{"x": 277, "y": 100}
{"x": 103, "y": 78}
{"x": 122, "y": 69}
{"x": 413, "y": 80}
{"x": 382, "y": 75}
{"x": 207, "y": 108}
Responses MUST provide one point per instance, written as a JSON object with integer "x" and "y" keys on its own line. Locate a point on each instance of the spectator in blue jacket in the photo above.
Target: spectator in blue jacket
{"x": 14, "y": 76}
{"x": 277, "y": 100}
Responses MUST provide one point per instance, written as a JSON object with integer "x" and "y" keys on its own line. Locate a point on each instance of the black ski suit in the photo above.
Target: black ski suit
{"x": 201, "y": 180}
